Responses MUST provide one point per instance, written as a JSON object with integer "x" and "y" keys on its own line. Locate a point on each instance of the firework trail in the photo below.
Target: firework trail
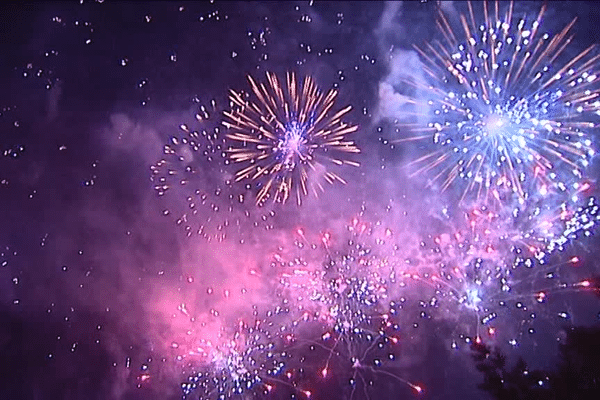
{"x": 285, "y": 136}
{"x": 341, "y": 286}
{"x": 508, "y": 118}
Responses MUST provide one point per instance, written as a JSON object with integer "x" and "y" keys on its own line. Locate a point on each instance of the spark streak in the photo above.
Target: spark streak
{"x": 509, "y": 116}
{"x": 284, "y": 137}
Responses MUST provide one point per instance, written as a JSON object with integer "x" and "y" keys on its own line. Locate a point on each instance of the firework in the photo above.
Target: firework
{"x": 247, "y": 362}
{"x": 204, "y": 201}
{"x": 480, "y": 280}
{"x": 342, "y": 289}
{"x": 285, "y": 137}
{"x": 357, "y": 316}
{"x": 509, "y": 117}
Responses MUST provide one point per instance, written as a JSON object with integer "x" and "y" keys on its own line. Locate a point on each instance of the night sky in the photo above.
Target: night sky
{"x": 129, "y": 258}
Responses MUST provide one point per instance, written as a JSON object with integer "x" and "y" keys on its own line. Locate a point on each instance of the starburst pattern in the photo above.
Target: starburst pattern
{"x": 512, "y": 112}
{"x": 343, "y": 288}
{"x": 285, "y": 137}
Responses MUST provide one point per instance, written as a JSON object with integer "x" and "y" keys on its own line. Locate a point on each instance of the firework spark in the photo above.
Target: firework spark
{"x": 479, "y": 277}
{"x": 580, "y": 224}
{"x": 204, "y": 200}
{"x": 342, "y": 289}
{"x": 285, "y": 136}
{"x": 509, "y": 116}
{"x": 247, "y": 362}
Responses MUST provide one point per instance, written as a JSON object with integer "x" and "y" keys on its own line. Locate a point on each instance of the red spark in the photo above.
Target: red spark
{"x": 541, "y": 296}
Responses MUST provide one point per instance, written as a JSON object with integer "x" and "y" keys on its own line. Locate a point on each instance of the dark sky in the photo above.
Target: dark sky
{"x": 104, "y": 283}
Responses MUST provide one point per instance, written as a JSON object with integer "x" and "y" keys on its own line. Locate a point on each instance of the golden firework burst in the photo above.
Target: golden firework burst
{"x": 285, "y": 138}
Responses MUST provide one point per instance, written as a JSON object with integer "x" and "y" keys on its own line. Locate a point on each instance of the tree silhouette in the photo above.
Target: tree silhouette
{"x": 579, "y": 369}
{"x": 504, "y": 384}
{"x": 576, "y": 378}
